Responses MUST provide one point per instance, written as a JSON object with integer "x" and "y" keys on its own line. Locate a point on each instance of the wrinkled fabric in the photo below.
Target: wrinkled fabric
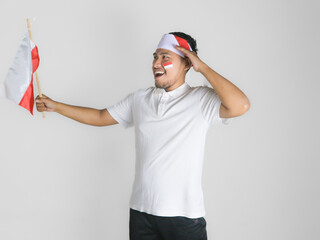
{"x": 143, "y": 226}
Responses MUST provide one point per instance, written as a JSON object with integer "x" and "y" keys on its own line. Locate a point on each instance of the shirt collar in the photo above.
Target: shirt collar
{"x": 177, "y": 91}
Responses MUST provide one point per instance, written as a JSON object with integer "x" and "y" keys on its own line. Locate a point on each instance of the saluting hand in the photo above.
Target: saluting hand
{"x": 193, "y": 58}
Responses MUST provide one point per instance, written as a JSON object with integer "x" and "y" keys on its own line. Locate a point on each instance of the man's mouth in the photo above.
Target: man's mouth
{"x": 158, "y": 74}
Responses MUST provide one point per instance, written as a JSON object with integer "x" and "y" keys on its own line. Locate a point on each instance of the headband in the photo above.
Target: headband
{"x": 169, "y": 41}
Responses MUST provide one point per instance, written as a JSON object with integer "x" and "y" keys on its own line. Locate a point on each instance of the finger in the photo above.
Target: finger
{"x": 182, "y": 49}
{"x": 41, "y": 99}
{"x": 186, "y": 51}
{"x": 42, "y": 108}
{"x": 40, "y": 105}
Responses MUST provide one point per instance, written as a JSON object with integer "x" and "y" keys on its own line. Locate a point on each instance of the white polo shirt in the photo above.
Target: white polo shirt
{"x": 170, "y": 133}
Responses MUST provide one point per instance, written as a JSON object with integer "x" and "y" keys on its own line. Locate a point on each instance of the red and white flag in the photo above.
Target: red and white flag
{"x": 18, "y": 84}
{"x": 168, "y": 65}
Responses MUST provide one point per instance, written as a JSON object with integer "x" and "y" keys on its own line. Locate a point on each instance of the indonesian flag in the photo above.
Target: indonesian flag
{"x": 168, "y": 65}
{"x": 18, "y": 84}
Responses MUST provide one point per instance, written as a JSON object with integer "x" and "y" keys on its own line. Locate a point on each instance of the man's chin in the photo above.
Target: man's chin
{"x": 156, "y": 83}
{"x": 161, "y": 83}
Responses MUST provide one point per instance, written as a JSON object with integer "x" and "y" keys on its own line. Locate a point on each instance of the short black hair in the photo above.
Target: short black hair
{"x": 192, "y": 42}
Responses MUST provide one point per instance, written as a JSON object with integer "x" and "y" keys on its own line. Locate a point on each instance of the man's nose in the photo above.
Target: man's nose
{"x": 157, "y": 63}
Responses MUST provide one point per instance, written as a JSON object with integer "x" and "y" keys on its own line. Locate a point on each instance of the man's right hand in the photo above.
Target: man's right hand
{"x": 45, "y": 103}
{"x": 84, "y": 115}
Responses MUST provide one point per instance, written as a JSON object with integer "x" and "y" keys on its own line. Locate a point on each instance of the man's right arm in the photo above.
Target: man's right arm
{"x": 84, "y": 115}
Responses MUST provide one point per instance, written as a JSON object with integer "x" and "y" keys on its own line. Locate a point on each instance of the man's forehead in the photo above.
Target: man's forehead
{"x": 163, "y": 51}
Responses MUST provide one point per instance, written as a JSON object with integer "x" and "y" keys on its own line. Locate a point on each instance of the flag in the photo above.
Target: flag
{"x": 167, "y": 65}
{"x": 18, "y": 84}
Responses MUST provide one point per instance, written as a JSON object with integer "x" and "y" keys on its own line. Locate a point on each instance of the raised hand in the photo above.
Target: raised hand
{"x": 193, "y": 58}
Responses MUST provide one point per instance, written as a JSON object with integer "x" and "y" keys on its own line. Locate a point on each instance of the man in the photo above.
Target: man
{"x": 171, "y": 120}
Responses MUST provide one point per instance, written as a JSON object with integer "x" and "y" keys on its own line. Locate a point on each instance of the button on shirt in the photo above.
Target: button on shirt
{"x": 170, "y": 132}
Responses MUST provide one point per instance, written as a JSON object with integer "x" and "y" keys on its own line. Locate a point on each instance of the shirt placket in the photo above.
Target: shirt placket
{"x": 162, "y": 103}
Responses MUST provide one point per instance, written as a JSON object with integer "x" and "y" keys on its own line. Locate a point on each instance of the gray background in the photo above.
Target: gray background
{"x": 60, "y": 179}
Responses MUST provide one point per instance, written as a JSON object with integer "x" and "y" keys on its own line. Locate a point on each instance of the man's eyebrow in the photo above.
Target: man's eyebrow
{"x": 162, "y": 53}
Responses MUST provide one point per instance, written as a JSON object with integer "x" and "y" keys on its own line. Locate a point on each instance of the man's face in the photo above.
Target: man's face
{"x": 165, "y": 78}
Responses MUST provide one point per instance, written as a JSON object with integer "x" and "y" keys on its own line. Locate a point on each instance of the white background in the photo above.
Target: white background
{"x": 60, "y": 179}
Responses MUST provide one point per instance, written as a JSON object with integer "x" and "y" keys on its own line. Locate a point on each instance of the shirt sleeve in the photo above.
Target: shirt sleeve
{"x": 210, "y": 106}
{"x": 122, "y": 111}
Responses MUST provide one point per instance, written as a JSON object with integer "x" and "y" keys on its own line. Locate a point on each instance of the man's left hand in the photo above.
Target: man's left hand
{"x": 193, "y": 57}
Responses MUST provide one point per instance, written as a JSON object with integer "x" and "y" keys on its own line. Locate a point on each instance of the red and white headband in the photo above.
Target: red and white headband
{"x": 169, "y": 41}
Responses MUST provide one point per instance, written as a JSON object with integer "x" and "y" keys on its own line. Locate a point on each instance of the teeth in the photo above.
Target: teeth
{"x": 159, "y": 72}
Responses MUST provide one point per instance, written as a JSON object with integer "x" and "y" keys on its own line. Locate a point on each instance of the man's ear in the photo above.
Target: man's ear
{"x": 187, "y": 63}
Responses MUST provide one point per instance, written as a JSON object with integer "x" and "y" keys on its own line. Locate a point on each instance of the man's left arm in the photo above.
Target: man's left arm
{"x": 233, "y": 101}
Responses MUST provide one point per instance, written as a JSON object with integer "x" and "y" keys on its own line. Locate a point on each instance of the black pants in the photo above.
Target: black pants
{"x": 144, "y": 226}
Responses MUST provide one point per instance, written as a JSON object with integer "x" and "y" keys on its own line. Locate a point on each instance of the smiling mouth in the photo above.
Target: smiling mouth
{"x": 158, "y": 74}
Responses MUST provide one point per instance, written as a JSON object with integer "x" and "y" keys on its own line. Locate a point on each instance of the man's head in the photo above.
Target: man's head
{"x": 171, "y": 76}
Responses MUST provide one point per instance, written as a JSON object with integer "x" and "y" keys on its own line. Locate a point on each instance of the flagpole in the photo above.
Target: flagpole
{"x": 38, "y": 82}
